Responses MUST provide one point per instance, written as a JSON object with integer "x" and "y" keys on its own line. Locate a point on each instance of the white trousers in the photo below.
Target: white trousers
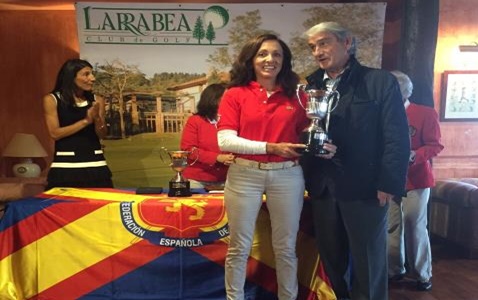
{"x": 408, "y": 236}
{"x": 243, "y": 193}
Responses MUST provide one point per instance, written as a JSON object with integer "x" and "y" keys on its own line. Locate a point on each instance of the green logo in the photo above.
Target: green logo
{"x": 217, "y": 16}
{"x": 182, "y": 26}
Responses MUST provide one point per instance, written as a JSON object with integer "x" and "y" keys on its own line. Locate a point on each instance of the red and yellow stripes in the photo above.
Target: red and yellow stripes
{"x": 63, "y": 251}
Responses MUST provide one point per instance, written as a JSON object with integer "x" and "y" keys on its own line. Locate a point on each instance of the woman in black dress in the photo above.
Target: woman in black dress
{"x": 75, "y": 120}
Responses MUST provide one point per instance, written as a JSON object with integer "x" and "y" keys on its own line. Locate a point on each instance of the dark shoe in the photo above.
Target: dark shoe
{"x": 424, "y": 286}
{"x": 396, "y": 277}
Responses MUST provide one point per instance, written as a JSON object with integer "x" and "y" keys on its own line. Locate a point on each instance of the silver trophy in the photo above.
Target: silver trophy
{"x": 179, "y": 186}
{"x": 317, "y": 108}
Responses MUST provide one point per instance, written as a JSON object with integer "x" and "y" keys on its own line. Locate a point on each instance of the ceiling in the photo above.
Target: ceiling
{"x": 69, "y": 4}
{"x": 37, "y": 5}
{"x": 27, "y": 5}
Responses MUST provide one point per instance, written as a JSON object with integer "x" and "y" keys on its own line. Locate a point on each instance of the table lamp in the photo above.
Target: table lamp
{"x": 25, "y": 146}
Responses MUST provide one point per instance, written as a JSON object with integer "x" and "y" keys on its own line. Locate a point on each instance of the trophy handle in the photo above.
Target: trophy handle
{"x": 194, "y": 150}
{"x": 331, "y": 106}
{"x": 163, "y": 151}
{"x": 330, "y": 97}
{"x": 300, "y": 88}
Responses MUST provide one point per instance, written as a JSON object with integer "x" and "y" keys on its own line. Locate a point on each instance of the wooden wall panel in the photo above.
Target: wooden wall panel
{"x": 34, "y": 45}
{"x": 458, "y": 25}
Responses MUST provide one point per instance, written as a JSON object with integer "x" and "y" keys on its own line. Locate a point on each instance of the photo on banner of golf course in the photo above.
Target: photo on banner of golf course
{"x": 152, "y": 61}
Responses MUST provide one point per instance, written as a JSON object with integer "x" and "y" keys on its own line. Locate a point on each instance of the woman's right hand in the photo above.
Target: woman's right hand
{"x": 93, "y": 112}
{"x": 287, "y": 150}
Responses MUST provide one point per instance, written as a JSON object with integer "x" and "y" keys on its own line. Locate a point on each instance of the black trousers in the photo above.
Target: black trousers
{"x": 351, "y": 236}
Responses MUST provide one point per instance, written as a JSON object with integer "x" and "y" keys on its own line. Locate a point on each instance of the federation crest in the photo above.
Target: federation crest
{"x": 176, "y": 222}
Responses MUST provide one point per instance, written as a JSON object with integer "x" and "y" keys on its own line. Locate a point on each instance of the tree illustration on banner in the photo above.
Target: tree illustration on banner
{"x": 199, "y": 31}
{"x": 210, "y": 33}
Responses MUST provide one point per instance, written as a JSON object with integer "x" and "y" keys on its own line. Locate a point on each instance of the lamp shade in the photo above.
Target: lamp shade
{"x": 25, "y": 146}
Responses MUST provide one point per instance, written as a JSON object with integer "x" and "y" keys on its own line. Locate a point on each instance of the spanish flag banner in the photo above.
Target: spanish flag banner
{"x": 113, "y": 244}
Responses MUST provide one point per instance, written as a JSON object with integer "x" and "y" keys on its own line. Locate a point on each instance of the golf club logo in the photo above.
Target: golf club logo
{"x": 149, "y": 26}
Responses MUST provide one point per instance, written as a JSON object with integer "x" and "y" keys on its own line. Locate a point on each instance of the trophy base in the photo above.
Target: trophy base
{"x": 316, "y": 151}
{"x": 179, "y": 189}
{"x": 315, "y": 142}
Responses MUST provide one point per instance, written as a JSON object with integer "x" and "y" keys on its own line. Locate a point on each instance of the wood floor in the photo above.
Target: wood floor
{"x": 454, "y": 278}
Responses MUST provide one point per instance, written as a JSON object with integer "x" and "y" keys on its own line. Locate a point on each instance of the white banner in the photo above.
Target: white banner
{"x": 200, "y": 37}
{"x": 152, "y": 62}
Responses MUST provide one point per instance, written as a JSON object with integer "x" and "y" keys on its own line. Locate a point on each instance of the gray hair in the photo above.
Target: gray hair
{"x": 334, "y": 28}
{"x": 406, "y": 85}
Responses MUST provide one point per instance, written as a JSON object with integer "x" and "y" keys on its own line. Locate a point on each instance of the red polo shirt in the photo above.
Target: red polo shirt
{"x": 257, "y": 117}
{"x": 201, "y": 134}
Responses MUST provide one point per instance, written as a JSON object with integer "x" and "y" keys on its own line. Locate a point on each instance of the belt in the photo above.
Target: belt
{"x": 265, "y": 165}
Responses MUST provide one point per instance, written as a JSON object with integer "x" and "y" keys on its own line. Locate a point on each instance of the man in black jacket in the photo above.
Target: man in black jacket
{"x": 350, "y": 193}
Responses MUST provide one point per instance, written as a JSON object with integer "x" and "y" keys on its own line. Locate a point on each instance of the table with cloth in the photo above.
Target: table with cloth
{"x": 69, "y": 243}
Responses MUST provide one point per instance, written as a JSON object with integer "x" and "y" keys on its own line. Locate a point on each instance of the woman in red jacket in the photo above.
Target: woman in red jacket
{"x": 208, "y": 166}
{"x": 408, "y": 234}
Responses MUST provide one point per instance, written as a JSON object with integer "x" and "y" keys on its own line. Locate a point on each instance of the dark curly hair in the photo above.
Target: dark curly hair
{"x": 242, "y": 72}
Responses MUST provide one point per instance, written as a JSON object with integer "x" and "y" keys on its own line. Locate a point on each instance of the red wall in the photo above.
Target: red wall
{"x": 34, "y": 45}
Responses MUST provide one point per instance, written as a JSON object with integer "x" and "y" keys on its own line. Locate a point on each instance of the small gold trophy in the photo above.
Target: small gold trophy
{"x": 179, "y": 185}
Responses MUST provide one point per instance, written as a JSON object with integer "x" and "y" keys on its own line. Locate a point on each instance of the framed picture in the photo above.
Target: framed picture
{"x": 459, "y": 96}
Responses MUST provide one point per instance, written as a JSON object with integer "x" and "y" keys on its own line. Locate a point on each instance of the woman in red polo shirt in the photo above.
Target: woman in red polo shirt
{"x": 261, "y": 120}
{"x": 208, "y": 166}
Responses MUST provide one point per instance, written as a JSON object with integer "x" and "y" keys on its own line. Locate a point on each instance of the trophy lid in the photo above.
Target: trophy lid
{"x": 316, "y": 93}
{"x": 177, "y": 154}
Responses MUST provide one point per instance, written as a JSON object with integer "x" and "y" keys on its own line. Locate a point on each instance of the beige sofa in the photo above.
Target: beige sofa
{"x": 454, "y": 214}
